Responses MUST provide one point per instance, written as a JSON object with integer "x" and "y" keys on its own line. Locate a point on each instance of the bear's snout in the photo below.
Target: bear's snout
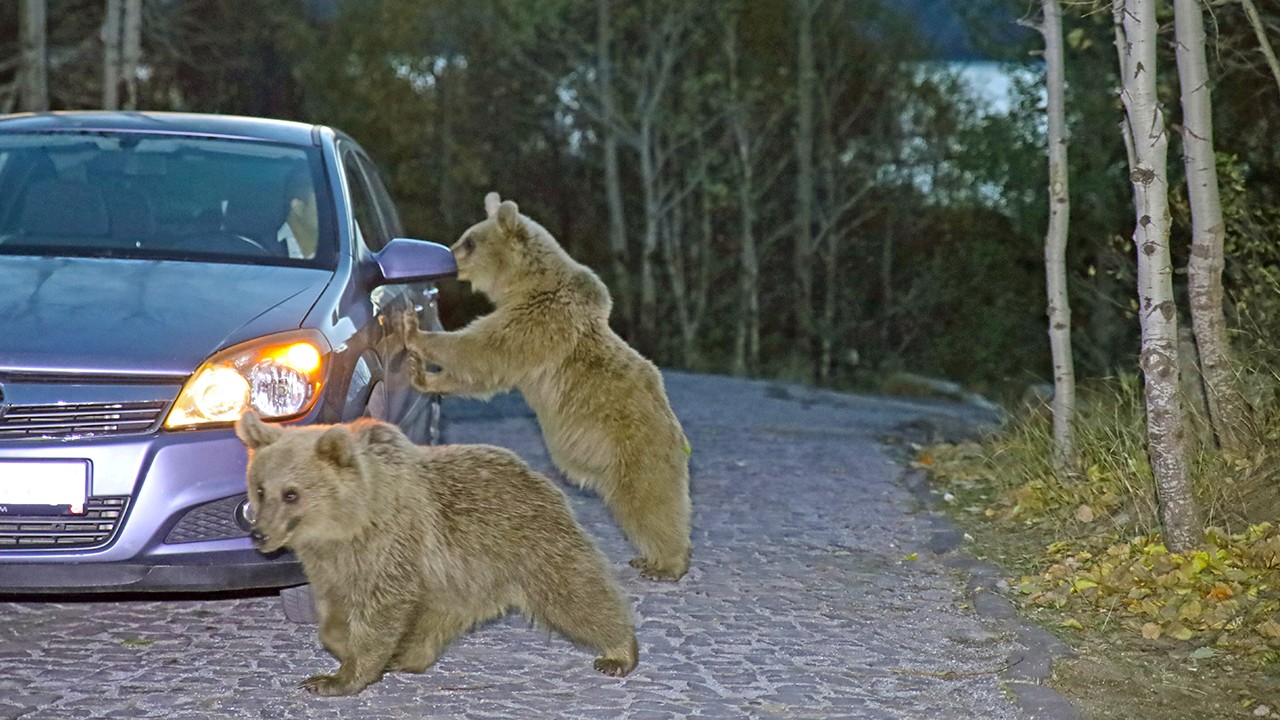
{"x": 263, "y": 543}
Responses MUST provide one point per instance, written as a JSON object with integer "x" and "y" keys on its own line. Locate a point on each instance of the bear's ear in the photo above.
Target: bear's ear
{"x": 335, "y": 447}
{"x": 509, "y": 218}
{"x": 491, "y": 202}
{"x": 378, "y": 433}
{"x": 254, "y": 433}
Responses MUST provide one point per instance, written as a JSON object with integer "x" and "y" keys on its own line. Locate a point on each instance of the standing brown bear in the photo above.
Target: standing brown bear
{"x": 407, "y": 546}
{"x": 602, "y": 406}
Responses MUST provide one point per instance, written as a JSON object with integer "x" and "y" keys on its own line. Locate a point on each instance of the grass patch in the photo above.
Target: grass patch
{"x": 1083, "y": 556}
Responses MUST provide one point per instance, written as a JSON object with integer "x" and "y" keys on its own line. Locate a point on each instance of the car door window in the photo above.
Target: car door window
{"x": 381, "y": 198}
{"x": 369, "y": 225}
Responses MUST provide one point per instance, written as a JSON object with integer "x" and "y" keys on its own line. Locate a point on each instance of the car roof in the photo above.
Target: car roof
{"x": 209, "y": 125}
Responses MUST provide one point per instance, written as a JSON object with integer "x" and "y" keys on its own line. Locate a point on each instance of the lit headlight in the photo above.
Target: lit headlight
{"x": 278, "y": 376}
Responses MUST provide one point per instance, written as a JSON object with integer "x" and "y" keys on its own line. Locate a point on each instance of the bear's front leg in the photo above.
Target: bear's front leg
{"x": 429, "y": 634}
{"x": 351, "y": 678}
{"x": 370, "y": 645}
{"x": 427, "y": 382}
{"x": 333, "y": 632}
{"x": 416, "y": 340}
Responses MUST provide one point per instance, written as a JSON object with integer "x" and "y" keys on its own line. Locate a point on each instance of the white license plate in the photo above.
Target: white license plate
{"x": 43, "y": 486}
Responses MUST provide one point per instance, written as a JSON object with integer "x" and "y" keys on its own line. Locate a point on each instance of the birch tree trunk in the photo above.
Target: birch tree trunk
{"x": 746, "y": 341}
{"x": 111, "y": 51}
{"x": 746, "y": 338}
{"x": 702, "y": 254}
{"x": 1147, "y": 143}
{"x": 618, "y": 264}
{"x": 806, "y": 83}
{"x": 827, "y": 331}
{"x": 668, "y": 27}
{"x": 131, "y": 52}
{"x": 1227, "y": 410}
{"x": 1055, "y": 243}
{"x": 885, "y": 266}
{"x": 688, "y": 234}
{"x": 1260, "y": 31}
{"x": 34, "y": 91}
{"x": 671, "y": 238}
{"x": 647, "y": 330}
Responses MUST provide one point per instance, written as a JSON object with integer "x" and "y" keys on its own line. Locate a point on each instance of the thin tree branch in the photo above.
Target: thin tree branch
{"x": 1251, "y": 11}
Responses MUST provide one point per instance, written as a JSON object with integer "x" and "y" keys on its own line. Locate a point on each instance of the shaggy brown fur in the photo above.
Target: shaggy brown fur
{"x": 407, "y": 546}
{"x": 602, "y": 406}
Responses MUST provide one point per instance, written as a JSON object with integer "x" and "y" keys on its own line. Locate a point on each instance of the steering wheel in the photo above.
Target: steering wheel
{"x": 256, "y": 245}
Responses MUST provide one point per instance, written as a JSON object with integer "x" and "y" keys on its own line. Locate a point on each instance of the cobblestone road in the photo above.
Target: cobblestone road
{"x": 800, "y": 603}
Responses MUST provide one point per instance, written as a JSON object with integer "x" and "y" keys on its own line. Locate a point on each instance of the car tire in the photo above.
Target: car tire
{"x": 298, "y": 605}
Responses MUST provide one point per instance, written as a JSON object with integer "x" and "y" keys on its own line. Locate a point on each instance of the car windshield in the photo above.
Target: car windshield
{"x": 164, "y": 196}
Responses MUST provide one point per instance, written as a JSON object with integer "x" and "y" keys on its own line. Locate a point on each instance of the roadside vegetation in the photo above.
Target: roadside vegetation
{"x": 814, "y": 191}
{"x": 1156, "y": 633}
{"x": 1137, "y": 512}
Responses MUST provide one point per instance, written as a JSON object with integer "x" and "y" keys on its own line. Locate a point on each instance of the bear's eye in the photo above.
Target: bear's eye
{"x": 261, "y": 493}
{"x": 468, "y": 244}
{"x": 290, "y": 496}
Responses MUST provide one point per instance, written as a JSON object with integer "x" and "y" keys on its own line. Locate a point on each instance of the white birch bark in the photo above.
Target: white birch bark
{"x": 1055, "y": 243}
{"x": 806, "y": 84}
{"x": 746, "y": 339}
{"x": 1147, "y": 140}
{"x": 111, "y": 51}
{"x": 756, "y": 183}
{"x": 647, "y": 331}
{"x": 668, "y": 38}
{"x": 33, "y": 95}
{"x": 1227, "y": 411}
{"x": 131, "y": 52}
{"x": 1260, "y": 31}
{"x": 618, "y": 253}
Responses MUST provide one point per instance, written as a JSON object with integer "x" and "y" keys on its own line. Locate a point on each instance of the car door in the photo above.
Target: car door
{"x": 392, "y": 397}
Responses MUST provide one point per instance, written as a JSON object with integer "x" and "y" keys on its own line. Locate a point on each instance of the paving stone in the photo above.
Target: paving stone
{"x": 799, "y": 603}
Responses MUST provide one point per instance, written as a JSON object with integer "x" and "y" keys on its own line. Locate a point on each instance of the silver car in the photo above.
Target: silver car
{"x": 160, "y": 274}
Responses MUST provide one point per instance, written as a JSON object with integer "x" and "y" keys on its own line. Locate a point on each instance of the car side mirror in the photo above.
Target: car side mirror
{"x": 405, "y": 260}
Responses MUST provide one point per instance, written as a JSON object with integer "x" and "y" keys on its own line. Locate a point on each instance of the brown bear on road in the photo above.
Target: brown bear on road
{"x": 602, "y": 406}
{"x": 407, "y": 546}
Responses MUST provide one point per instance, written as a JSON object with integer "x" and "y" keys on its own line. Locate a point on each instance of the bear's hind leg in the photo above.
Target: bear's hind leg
{"x": 618, "y": 661}
{"x": 588, "y": 611}
{"x": 661, "y": 569}
{"x": 653, "y": 513}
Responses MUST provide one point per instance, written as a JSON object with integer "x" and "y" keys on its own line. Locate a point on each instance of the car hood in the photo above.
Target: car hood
{"x": 145, "y": 317}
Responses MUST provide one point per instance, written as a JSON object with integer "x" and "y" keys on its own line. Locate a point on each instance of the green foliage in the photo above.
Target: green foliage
{"x": 1252, "y": 276}
{"x": 1224, "y": 594}
{"x": 931, "y": 209}
{"x": 1086, "y": 547}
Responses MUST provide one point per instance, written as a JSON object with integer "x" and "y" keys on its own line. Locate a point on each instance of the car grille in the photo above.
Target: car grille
{"x": 94, "y": 528}
{"x": 64, "y": 420}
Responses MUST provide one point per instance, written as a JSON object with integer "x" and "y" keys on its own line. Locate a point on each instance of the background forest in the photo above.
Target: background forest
{"x": 815, "y": 191}
{"x": 778, "y": 188}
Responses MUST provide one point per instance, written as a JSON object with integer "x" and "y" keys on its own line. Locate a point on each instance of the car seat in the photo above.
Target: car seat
{"x": 64, "y": 212}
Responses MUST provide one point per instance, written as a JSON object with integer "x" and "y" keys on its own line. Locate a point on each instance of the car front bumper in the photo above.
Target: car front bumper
{"x": 172, "y": 520}
{"x": 228, "y": 570}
